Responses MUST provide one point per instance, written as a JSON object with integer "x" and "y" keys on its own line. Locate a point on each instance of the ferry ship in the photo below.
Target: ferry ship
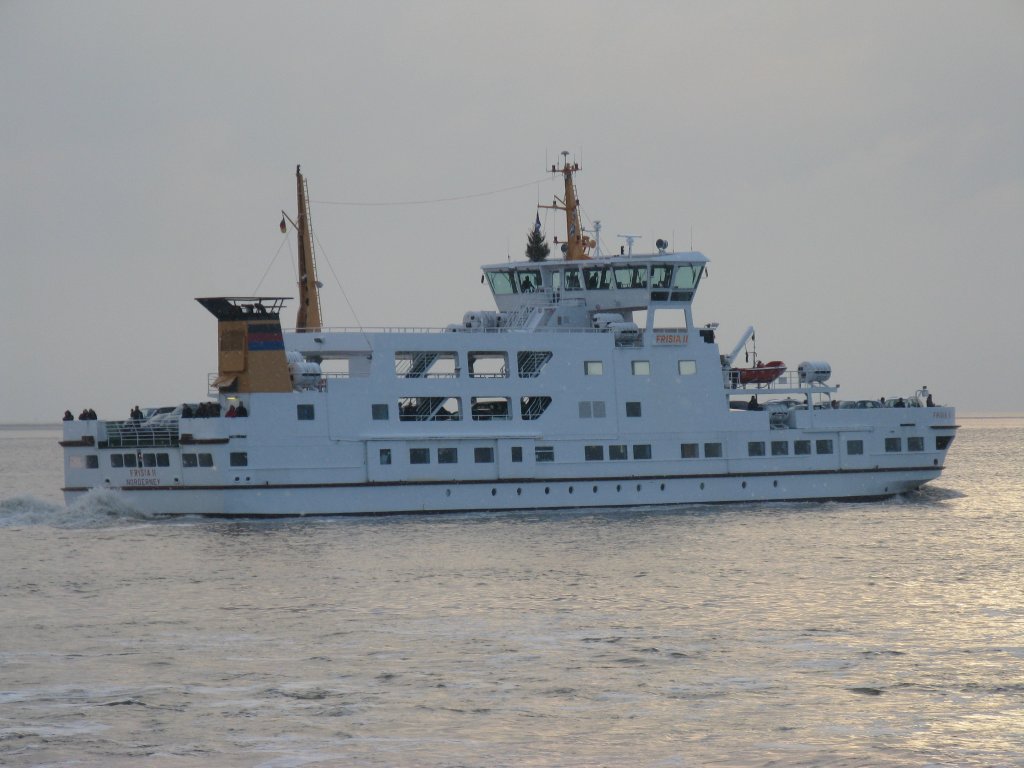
{"x": 589, "y": 385}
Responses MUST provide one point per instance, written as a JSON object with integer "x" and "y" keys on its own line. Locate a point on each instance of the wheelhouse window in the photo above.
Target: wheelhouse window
{"x": 187, "y": 460}
{"x": 854, "y": 447}
{"x": 597, "y": 278}
{"x": 893, "y": 445}
{"x": 642, "y": 451}
{"x": 617, "y": 453}
{"x": 502, "y": 282}
{"x": 630, "y": 277}
{"x": 483, "y": 455}
{"x": 687, "y": 367}
{"x": 529, "y": 280}
{"x": 641, "y": 367}
{"x": 942, "y": 442}
{"x": 572, "y": 279}
{"x": 447, "y": 455}
{"x": 92, "y": 461}
{"x": 117, "y": 460}
{"x": 712, "y": 450}
{"x": 593, "y": 452}
{"x": 419, "y": 455}
{"x": 205, "y": 460}
{"x": 755, "y": 448}
{"x": 823, "y": 446}
{"x": 661, "y": 276}
{"x": 593, "y": 367}
{"x": 239, "y": 459}
{"x": 780, "y": 448}
{"x": 802, "y": 447}
{"x": 915, "y": 443}
{"x": 689, "y": 451}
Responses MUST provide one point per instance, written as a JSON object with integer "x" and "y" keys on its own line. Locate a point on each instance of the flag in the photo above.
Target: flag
{"x": 536, "y": 227}
{"x": 284, "y": 226}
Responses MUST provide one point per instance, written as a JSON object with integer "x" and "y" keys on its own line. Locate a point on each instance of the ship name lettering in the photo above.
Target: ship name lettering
{"x": 669, "y": 338}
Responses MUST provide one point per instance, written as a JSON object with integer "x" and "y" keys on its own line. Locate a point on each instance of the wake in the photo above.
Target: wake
{"x": 99, "y": 508}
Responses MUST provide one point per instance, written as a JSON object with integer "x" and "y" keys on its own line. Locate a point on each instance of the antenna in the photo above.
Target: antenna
{"x": 629, "y": 242}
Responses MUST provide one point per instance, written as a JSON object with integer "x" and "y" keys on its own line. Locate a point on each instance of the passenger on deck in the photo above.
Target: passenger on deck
{"x": 136, "y": 413}
{"x": 231, "y": 413}
{"x": 752, "y": 405}
{"x": 240, "y": 411}
{"x": 186, "y": 411}
{"x": 929, "y": 402}
{"x": 900, "y": 403}
{"x": 69, "y": 416}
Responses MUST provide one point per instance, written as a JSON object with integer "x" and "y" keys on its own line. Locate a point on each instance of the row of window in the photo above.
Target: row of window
{"x": 642, "y": 451}
{"x": 494, "y": 365}
{"x": 444, "y": 364}
{"x": 485, "y": 454}
{"x": 188, "y": 460}
{"x": 132, "y": 460}
{"x": 449, "y": 408}
{"x": 639, "y": 367}
{"x": 481, "y": 455}
{"x": 597, "y": 278}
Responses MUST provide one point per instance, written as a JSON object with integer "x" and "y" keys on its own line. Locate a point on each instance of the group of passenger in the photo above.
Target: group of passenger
{"x": 87, "y": 414}
{"x": 205, "y": 410}
{"x": 208, "y": 410}
{"x": 237, "y": 411}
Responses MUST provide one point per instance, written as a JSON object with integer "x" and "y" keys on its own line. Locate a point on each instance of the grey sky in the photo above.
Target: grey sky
{"x": 854, "y": 171}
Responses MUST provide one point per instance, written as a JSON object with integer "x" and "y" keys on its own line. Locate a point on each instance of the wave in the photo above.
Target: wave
{"x": 99, "y": 508}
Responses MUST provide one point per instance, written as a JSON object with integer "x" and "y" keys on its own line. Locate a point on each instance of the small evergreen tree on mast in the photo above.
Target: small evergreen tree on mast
{"x": 537, "y": 248}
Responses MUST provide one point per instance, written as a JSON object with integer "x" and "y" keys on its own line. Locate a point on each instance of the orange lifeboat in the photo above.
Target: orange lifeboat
{"x": 761, "y": 373}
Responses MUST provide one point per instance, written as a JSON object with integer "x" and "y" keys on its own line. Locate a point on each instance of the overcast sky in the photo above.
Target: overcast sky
{"x": 854, "y": 171}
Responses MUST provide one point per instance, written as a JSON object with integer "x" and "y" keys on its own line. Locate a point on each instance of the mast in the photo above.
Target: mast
{"x": 308, "y": 316}
{"x": 578, "y": 245}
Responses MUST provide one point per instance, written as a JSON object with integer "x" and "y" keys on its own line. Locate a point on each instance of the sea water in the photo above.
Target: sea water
{"x": 861, "y": 634}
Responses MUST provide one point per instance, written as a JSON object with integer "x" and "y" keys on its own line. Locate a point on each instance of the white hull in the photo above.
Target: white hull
{"x": 522, "y": 494}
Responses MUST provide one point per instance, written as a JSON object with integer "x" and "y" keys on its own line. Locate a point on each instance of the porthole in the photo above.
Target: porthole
{"x": 744, "y": 483}
{"x": 519, "y": 491}
{"x": 638, "y": 487}
{"x": 775, "y": 483}
{"x": 570, "y": 489}
{"x": 618, "y": 488}
{"x": 448, "y": 492}
{"x": 702, "y": 486}
{"x": 595, "y": 489}
{"x": 547, "y": 490}
{"x": 663, "y": 486}
{"x": 494, "y": 491}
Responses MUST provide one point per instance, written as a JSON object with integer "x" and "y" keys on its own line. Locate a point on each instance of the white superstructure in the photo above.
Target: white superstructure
{"x": 590, "y": 385}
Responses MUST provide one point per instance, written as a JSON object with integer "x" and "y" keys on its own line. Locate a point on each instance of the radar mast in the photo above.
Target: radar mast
{"x": 308, "y": 317}
{"x": 577, "y": 244}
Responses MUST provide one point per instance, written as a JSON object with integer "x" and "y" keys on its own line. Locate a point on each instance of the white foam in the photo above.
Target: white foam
{"x": 98, "y": 508}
